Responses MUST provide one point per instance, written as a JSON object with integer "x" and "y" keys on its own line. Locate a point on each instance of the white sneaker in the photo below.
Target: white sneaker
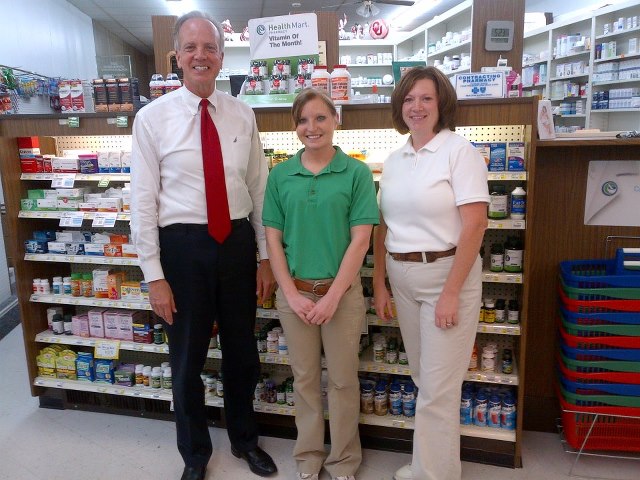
{"x": 404, "y": 473}
{"x": 345, "y": 477}
{"x": 307, "y": 476}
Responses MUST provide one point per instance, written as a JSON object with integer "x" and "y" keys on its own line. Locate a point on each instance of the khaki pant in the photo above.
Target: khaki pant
{"x": 339, "y": 338}
{"x": 438, "y": 358}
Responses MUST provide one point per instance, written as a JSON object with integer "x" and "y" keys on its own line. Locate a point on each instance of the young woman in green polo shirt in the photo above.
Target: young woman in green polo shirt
{"x": 319, "y": 209}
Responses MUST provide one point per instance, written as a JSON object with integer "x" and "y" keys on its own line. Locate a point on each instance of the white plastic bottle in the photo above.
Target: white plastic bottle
{"x": 172, "y": 82}
{"x": 320, "y": 79}
{"x": 518, "y": 203}
{"x": 340, "y": 83}
{"x": 156, "y": 86}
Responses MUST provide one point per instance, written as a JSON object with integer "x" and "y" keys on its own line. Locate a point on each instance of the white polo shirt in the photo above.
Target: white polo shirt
{"x": 420, "y": 192}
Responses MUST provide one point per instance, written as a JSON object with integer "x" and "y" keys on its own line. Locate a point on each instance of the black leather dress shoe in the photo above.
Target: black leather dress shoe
{"x": 259, "y": 461}
{"x": 194, "y": 473}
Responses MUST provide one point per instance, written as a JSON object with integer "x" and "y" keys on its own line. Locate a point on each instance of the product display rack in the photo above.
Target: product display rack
{"x": 506, "y": 450}
{"x": 540, "y": 44}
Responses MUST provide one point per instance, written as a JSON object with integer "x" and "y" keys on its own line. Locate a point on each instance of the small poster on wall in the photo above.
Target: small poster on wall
{"x": 546, "y": 129}
{"x": 613, "y": 193}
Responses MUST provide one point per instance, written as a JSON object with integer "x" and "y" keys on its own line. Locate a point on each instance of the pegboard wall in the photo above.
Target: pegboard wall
{"x": 93, "y": 143}
{"x": 387, "y": 139}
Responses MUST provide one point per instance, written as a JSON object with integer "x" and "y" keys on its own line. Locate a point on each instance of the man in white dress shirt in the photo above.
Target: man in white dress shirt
{"x": 194, "y": 279}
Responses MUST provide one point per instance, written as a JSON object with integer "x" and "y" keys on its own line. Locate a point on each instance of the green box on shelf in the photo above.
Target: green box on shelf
{"x": 400, "y": 67}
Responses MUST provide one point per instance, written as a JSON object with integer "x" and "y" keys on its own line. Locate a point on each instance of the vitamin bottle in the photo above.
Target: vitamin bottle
{"x": 87, "y": 285}
{"x": 167, "y": 382}
{"x": 380, "y": 399}
{"x": 340, "y": 83}
{"x": 497, "y": 203}
{"x": 366, "y": 398}
{"x": 497, "y": 257}
{"x": 489, "y": 311}
{"x": 466, "y": 409}
{"x": 395, "y": 399}
{"x": 409, "y": 401}
{"x": 513, "y": 255}
{"x": 480, "y": 410}
{"x": 76, "y": 284}
{"x": 320, "y": 79}
{"x": 518, "y": 203}
{"x": 513, "y": 314}
{"x": 500, "y": 311}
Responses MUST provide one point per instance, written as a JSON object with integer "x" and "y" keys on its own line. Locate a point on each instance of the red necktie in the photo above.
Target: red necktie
{"x": 214, "y": 183}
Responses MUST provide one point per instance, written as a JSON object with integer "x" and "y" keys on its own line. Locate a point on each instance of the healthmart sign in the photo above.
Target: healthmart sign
{"x": 283, "y": 36}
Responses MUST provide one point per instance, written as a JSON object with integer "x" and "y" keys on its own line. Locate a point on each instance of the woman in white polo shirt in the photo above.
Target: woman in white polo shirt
{"x": 433, "y": 214}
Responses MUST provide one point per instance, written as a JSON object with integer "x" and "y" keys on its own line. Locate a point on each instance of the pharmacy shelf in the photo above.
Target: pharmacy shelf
{"x": 60, "y": 214}
{"x": 374, "y": 320}
{"x": 507, "y": 176}
{"x": 49, "y": 337}
{"x": 90, "y": 301}
{"x": 449, "y": 48}
{"x": 487, "y": 276}
{"x": 499, "y": 328}
{"x": 368, "y": 365}
{"x": 488, "y": 433}
{"x": 99, "y": 387}
{"x": 86, "y": 177}
{"x": 534, "y": 86}
{"x": 572, "y": 55}
{"x": 625, "y": 56}
{"x": 507, "y": 224}
{"x": 84, "y": 259}
{"x": 618, "y": 33}
{"x": 394, "y": 421}
{"x": 537, "y": 62}
{"x": 366, "y": 85}
{"x": 266, "y": 313}
{"x": 460, "y": 70}
{"x": 571, "y": 115}
{"x": 568, "y": 77}
{"x": 614, "y": 82}
{"x": 501, "y": 277}
{"x": 617, "y": 110}
{"x": 369, "y": 65}
{"x": 494, "y": 377}
{"x": 568, "y": 99}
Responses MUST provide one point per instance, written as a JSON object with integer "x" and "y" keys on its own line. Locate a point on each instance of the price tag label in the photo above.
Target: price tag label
{"x": 108, "y": 349}
{"x": 63, "y": 180}
{"x": 104, "y": 182}
{"x": 105, "y": 219}
{"x": 73, "y": 122}
{"x": 122, "y": 121}
{"x": 71, "y": 219}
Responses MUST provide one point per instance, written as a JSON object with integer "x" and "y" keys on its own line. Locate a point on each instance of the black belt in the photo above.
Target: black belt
{"x": 200, "y": 227}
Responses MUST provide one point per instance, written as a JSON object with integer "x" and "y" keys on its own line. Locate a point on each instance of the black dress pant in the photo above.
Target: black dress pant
{"x": 212, "y": 281}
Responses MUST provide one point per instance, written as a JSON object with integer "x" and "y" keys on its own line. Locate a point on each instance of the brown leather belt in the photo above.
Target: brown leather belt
{"x": 319, "y": 287}
{"x": 422, "y": 257}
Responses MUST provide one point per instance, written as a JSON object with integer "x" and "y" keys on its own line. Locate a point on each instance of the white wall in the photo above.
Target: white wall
{"x": 50, "y": 37}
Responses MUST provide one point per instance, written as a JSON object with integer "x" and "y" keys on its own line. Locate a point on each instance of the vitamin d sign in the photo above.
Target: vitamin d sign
{"x": 283, "y": 36}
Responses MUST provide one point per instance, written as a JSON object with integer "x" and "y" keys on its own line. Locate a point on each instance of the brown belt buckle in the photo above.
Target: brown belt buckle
{"x": 318, "y": 285}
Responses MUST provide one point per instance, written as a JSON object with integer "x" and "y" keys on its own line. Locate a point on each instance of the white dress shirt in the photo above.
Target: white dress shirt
{"x": 167, "y": 178}
{"x": 420, "y": 192}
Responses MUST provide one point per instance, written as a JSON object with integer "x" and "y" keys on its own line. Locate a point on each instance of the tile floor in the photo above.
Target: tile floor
{"x": 38, "y": 444}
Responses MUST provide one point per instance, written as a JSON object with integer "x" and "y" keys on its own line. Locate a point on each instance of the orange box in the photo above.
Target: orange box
{"x": 114, "y": 282}
{"x": 118, "y": 238}
{"x": 112, "y": 249}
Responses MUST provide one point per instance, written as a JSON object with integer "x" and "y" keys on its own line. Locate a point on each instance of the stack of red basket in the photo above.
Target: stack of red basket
{"x": 599, "y": 354}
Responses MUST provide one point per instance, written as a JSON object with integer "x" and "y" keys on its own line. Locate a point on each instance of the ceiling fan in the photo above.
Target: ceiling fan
{"x": 368, "y": 8}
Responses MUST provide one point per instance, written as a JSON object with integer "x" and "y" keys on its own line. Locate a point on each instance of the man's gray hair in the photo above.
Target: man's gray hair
{"x": 197, "y": 14}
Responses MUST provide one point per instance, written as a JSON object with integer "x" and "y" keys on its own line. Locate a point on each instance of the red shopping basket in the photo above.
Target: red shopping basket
{"x": 594, "y": 342}
{"x": 596, "y": 306}
{"x": 608, "y": 428}
{"x": 601, "y": 318}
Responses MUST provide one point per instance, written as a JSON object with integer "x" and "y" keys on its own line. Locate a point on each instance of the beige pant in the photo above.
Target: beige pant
{"x": 339, "y": 338}
{"x": 438, "y": 358}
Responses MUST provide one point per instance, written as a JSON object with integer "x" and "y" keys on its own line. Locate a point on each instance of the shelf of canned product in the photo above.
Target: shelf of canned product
{"x": 90, "y": 301}
{"x": 506, "y": 224}
{"x": 393, "y": 421}
{"x": 85, "y": 177}
{"x": 60, "y": 213}
{"x": 522, "y": 176}
{"x": 266, "y": 313}
{"x": 96, "y": 260}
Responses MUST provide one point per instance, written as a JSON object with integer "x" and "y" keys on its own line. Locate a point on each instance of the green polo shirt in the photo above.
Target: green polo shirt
{"x": 316, "y": 212}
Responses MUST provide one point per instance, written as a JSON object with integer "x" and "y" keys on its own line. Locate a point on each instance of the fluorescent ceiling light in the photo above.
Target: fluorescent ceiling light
{"x": 411, "y": 13}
